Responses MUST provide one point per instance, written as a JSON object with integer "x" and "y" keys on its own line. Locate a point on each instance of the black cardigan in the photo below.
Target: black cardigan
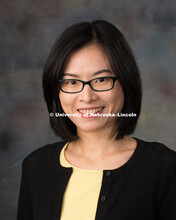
{"x": 144, "y": 188}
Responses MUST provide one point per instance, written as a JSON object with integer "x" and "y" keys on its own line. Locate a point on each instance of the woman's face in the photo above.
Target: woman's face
{"x": 85, "y": 64}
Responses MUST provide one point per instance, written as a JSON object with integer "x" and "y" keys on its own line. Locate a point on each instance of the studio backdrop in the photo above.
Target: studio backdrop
{"x": 28, "y": 30}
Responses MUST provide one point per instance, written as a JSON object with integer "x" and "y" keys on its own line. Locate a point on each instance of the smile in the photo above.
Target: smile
{"x": 90, "y": 111}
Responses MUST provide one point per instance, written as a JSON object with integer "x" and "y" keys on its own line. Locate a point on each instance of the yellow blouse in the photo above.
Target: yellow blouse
{"x": 82, "y": 192}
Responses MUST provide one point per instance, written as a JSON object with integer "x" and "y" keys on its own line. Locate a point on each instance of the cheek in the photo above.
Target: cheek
{"x": 66, "y": 101}
{"x": 120, "y": 94}
{"x": 63, "y": 100}
{"x": 117, "y": 98}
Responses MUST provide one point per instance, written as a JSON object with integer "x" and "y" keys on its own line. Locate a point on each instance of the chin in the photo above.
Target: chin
{"x": 93, "y": 125}
{"x": 91, "y": 128}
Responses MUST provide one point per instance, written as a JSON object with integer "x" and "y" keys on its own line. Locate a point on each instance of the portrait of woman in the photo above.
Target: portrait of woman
{"x": 93, "y": 92}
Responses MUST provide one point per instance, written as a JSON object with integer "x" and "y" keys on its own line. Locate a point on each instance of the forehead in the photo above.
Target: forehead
{"x": 88, "y": 59}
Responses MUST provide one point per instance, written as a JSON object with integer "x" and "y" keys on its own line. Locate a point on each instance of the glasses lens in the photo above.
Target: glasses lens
{"x": 103, "y": 83}
{"x": 70, "y": 85}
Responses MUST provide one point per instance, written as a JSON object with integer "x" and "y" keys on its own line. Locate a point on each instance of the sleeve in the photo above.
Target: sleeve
{"x": 24, "y": 211}
{"x": 168, "y": 210}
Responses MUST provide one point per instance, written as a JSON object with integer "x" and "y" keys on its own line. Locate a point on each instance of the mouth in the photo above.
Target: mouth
{"x": 91, "y": 111}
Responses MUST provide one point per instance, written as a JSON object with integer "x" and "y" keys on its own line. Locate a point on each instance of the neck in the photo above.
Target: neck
{"x": 95, "y": 144}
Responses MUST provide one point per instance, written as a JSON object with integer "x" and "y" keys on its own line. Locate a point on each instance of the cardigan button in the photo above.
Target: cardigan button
{"x": 108, "y": 173}
{"x": 103, "y": 198}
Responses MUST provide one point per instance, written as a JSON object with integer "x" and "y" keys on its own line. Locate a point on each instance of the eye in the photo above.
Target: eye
{"x": 70, "y": 82}
{"x": 99, "y": 80}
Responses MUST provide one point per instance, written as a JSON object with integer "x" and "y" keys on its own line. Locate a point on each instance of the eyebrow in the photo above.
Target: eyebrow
{"x": 94, "y": 74}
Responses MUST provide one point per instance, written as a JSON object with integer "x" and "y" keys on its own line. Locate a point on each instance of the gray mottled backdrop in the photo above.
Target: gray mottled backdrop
{"x": 29, "y": 28}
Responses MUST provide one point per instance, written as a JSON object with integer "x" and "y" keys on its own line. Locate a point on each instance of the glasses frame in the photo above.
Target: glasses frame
{"x": 114, "y": 78}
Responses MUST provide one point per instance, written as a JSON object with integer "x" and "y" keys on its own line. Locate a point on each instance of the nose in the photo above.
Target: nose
{"x": 87, "y": 94}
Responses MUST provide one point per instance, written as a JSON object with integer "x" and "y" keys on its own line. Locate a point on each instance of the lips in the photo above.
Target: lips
{"x": 90, "y": 110}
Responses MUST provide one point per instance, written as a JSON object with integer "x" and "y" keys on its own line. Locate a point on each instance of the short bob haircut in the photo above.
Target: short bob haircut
{"x": 122, "y": 62}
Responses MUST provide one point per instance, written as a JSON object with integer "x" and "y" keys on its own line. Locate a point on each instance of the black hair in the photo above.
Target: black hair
{"x": 122, "y": 62}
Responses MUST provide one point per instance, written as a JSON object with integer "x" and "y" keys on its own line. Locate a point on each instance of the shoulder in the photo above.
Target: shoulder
{"x": 158, "y": 155}
{"x": 158, "y": 149}
{"x": 44, "y": 155}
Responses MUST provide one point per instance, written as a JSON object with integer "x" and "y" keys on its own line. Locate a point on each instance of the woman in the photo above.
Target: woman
{"x": 98, "y": 171}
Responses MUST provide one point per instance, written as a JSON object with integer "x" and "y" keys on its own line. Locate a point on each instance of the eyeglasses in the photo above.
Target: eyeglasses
{"x": 99, "y": 84}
